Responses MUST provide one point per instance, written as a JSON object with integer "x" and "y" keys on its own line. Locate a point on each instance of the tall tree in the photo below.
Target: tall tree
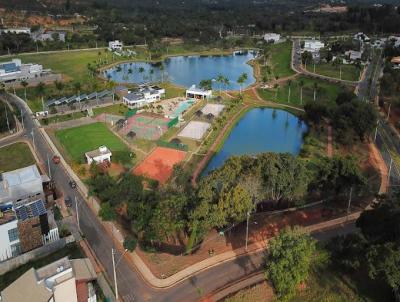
{"x": 241, "y": 80}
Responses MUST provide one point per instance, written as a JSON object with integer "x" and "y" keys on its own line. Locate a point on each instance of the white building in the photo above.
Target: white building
{"x": 64, "y": 280}
{"x": 9, "y": 238}
{"x": 313, "y": 45}
{"x": 143, "y": 96}
{"x": 14, "y": 70}
{"x": 17, "y": 30}
{"x": 272, "y": 37}
{"x": 99, "y": 155}
{"x": 197, "y": 93}
{"x": 353, "y": 55}
{"x": 115, "y": 45}
{"x": 363, "y": 38}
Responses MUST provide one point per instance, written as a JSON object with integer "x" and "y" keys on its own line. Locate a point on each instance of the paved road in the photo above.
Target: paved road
{"x": 131, "y": 286}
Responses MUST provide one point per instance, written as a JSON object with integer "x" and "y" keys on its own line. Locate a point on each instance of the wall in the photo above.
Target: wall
{"x": 5, "y": 249}
{"x": 45, "y": 250}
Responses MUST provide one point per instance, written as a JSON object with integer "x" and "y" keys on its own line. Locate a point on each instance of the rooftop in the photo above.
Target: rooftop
{"x": 21, "y": 176}
{"x": 10, "y": 67}
{"x": 134, "y": 96}
{"x": 102, "y": 150}
{"x": 7, "y": 215}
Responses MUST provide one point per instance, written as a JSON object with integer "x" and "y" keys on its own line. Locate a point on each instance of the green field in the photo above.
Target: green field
{"x": 280, "y": 57}
{"x": 79, "y": 140}
{"x": 325, "y": 91}
{"x": 349, "y": 72}
{"x": 117, "y": 109}
{"x": 172, "y": 91}
{"x": 15, "y": 156}
{"x": 62, "y": 118}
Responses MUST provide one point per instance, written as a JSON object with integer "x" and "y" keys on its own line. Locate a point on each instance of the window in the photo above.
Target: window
{"x": 13, "y": 234}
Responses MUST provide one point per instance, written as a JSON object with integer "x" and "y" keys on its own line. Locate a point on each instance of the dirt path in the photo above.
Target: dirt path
{"x": 377, "y": 160}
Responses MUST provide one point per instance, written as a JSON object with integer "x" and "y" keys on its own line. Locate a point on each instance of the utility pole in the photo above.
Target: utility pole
{"x": 22, "y": 119}
{"x": 115, "y": 274}
{"x": 349, "y": 204}
{"x": 48, "y": 165}
{"x": 8, "y": 123}
{"x": 33, "y": 139}
{"x": 247, "y": 230}
{"x": 340, "y": 72}
{"x": 77, "y": 213}
{"x": 388, "y": 114}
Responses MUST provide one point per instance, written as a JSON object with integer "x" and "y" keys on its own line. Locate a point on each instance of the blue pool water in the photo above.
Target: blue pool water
{"x": 261, "y": 130}
{"x": 184, "y": 105}
{"x": 187, "y": 70}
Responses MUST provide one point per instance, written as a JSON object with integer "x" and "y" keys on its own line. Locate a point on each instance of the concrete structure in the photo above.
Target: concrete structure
{"x": 21, "y": 186}
{"x": 14, "y": 70}
{"x": 272, "y": 37}
{"x": 395, "y": 40}
{"x": 98, "y": 156}
{"x": 197, "y": 93}
{"x": 214, "y": 109}
{"x": 143, "y": 96}
{"x": 50, "y": 35}
{"x": 61, "y": 281}
{"x": 313, "y": 47}
{"x": 115, "y": 45}
{"x": 16, "y": 30}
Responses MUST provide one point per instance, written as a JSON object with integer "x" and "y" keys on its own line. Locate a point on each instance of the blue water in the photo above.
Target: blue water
{"x": 188, "y": 70}
{"x": 184, "y": 105}
{"x": 261, "y": 130}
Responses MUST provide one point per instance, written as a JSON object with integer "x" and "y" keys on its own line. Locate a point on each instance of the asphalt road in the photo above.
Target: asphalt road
{"x": 130, "y": 284}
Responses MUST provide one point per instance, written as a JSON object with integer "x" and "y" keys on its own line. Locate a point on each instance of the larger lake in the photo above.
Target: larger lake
{"x": 261, "y": 130}
{"x": 188, "y": 70}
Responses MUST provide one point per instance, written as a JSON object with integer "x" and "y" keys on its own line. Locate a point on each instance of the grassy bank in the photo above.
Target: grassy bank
{"x": 15, "y": 156}
{"x": 280, "y": 57}
{"x": 349, "y": 72}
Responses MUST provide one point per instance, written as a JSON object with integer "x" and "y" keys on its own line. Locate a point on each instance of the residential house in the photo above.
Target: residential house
{"x": 65, "y": 280}
{"x": 272, "y": 37}
{"x": 313, "y": 47}
{"x": 353, "y": 55}
{"x": 115, "y": 45}
{"x": 143, "y": 96}
{"x": 197, "y": 93}
{"x": 14, "y": 70}
{"x": 49, "y": 35}
{"x": 100, "y": 155}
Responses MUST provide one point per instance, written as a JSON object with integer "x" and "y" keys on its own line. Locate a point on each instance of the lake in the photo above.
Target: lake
{"x": 187, "y": 70}
{"x": 261, "y": 130}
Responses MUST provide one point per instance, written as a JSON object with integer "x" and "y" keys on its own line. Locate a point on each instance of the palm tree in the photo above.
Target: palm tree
{"x": 276, "y": 86}
{"x": 111, "y": 85}
{"x": 315, "y": 90}
{"x": 151, "y": 72}
{"x": 77, "y": 88}
{"x": 59, "y": 86}
{"x": 226, "y": 83}
{"x": 301, "y": 84}
{"x": 95, "y": 86}
{"x": 24, "y": 84}
{"x": 40, "y": 89}
{"x": 220, "y": 79}
{"x": 290, "y": 86}
{"x": 241, "y": 80}
{"x": 162, "y": 72}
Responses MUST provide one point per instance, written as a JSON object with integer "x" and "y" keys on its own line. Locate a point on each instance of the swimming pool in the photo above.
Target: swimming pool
{"x": 183, "y": 106}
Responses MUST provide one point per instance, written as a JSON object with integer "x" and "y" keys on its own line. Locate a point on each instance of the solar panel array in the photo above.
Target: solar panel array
{"x": 34, "y": 209}
{"x": 77, "y": 98}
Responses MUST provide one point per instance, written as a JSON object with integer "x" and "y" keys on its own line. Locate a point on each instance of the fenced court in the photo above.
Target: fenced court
{"x": 111, "y": 119}
{"x": 195, "y": 130}
{"x": 214, "y": 109}
{"x": 146, "y": 126}
{"x": 159, "y": 164}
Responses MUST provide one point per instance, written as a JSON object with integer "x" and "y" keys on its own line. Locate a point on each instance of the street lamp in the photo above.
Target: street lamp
{"x": 113, "y": 253}
{"x": 247, "y": 230}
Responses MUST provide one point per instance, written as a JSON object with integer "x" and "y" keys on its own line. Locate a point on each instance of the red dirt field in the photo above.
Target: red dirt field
{"x": 159, "y": 164}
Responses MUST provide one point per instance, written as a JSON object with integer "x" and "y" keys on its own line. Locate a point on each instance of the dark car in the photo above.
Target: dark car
{"x": 72, "y": 184}
{"x": 68, "y": 202}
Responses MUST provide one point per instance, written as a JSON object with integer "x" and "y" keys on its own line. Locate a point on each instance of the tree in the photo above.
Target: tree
{"x": 130, "y": 243}
{"x": 107, "y": 212}
{"x": 288, "y": 261}
{"x": 301, "y": 85}
{"x": 24, "y": 84}
{"x": 40, "y": 89}
{"x": 220, "y": 79}
{"x": 289, "y": 83}
{"x": 59, "y": 86}
{"x": 306, "y": 58}
{"x": 206, "y": 84}
{"x": 241, "y": 80}
{"x": 315, "y": 112}
{"x": 226, "y": 83}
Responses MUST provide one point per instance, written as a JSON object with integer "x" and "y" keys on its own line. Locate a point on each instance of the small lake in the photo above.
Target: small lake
{"x": 187, "y": 70}
{"x": 261, "y": 130}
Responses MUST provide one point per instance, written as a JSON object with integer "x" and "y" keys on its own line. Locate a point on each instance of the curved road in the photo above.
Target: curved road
{"x": 130, "y": 284}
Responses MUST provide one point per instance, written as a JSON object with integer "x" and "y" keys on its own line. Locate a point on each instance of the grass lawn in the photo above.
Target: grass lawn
{"x": 279, "y": 61}
{"x": 326, "y": 91}
{"x": 79, "y": 140}
{"x": 62, "y": 118}
{"x": 349, "y": 72}
{"x": 71, "y": 250}
{"x": 116, "y": 109}
{"x": 172, "y": 91}
{"x": 15, "y": 156}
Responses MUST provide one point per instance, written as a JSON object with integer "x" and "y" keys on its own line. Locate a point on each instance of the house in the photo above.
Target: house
{"x": 65, "y": 280}
{"x": 353, "y": 55}
{"x": 361, "y": 37}
{"x": 313, "y": 47}
{"x": 396, "y": 62}
{"x": 16, "y": 30}
{"x": 197, "y": 93}
{"x": 14, "y": 70}
{"x": 272, "y": 37}
{"x": 50, "y": 35}
{"x": 115, "y": 45}
{"x": 99, "y": 155}
{"x": 143, "y": 95}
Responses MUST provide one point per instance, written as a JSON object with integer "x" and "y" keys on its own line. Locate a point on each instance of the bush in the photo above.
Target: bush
{"x": 130, "y": 243}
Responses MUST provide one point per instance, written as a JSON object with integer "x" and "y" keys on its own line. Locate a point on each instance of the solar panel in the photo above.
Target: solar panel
{"x": 37, "y": 208}
{"x": 22, "y": 213}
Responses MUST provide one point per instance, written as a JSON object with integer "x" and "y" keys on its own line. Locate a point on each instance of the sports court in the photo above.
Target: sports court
{"x": 147, "y": 126}
{"x": 159, "y": 163}
{"x": 214, "y": 109}
{"x": 194, "y": 130}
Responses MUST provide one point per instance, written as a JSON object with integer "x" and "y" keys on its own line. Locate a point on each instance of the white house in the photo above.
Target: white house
{"x": 99, "y": 155}
{"x": 313, "y": 45}
{"x": 115, "y": 45}
{"x": 272, "y": 37}
{"x": 143, "y": 96}
{"x": 64, "y": 280}
{"x": 9, "y": 238}
{"x": 353, "y": 55}
{"x": 14, "y": 70}
{"x": 197, "y": 93}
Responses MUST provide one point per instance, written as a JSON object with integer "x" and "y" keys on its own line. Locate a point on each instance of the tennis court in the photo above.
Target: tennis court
{"x": 214, "y": 109}
{"x": 195, "y": 130}
{"x": 159, "y": 164}
{"x": 146, "y": 126}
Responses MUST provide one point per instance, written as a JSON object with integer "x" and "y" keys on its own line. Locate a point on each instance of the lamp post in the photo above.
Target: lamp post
{"x": 247, "y": 230}
{"x": 113, "y": 253}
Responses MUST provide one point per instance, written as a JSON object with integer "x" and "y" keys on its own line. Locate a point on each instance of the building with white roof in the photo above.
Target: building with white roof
{"x": 272, "y": 37}
{"x": 197, "y": 93}
{"x": 115, "y": 45}
{"x": 99, "y": 155}
{"x": 143, "y": 96}
{"x": 313, "y": 45}
{"x": 14, "y": 70}
{"x": 16, "y": 30}
{"x": 64, "y": 280}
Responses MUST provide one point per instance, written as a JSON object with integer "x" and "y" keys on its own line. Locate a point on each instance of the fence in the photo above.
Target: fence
{"x": 173, "y": 122}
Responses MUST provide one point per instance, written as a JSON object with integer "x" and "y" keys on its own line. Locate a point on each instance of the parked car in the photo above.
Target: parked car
{"x": 72, "y": 184}
{"x": 68, "y": 202}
